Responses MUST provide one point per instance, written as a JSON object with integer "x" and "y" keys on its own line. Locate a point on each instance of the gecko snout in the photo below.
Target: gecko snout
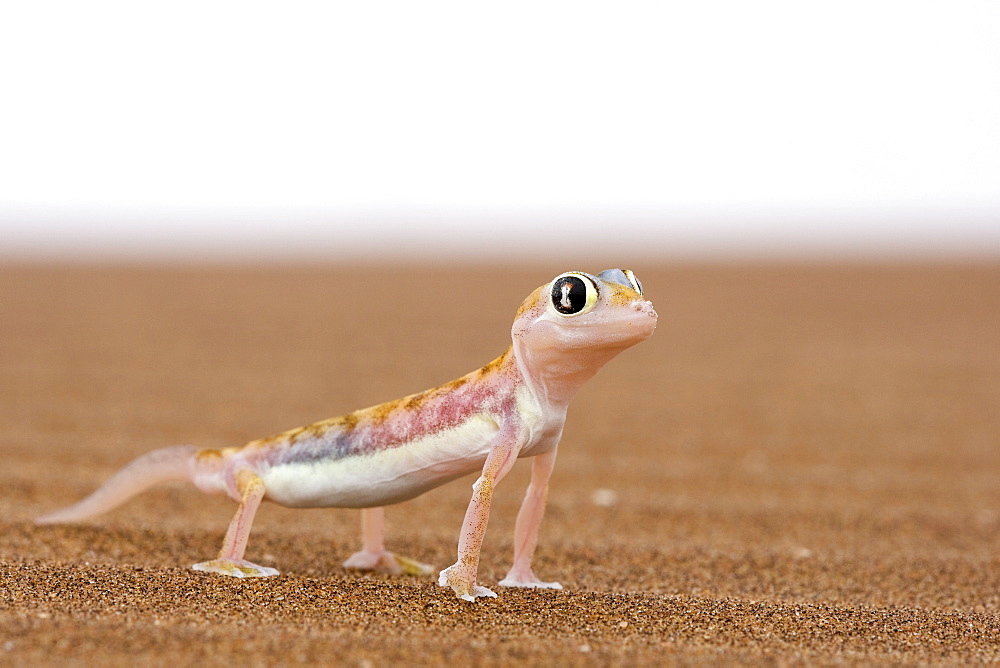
{"x": 646, "y": 307}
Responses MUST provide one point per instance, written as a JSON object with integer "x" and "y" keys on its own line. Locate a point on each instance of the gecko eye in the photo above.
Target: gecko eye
{"x": 573, "y": 294}
{"x": 630, "y": 275}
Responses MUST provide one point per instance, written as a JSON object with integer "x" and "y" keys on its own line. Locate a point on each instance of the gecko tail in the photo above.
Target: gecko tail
{"x": 165, "y": 464}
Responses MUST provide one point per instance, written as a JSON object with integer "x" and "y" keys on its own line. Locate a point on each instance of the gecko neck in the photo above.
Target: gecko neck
{"x": 555, "y": 375}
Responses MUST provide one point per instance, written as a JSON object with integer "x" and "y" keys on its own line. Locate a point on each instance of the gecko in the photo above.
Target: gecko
{"x": 513, "y": 407}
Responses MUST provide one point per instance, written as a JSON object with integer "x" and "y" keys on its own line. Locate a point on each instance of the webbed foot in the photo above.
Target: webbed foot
{"x": 386, "y": 562}
{"x": 237, "y": 568}
{"x": 527, "y": 579}
{"x": 463, "y": 584}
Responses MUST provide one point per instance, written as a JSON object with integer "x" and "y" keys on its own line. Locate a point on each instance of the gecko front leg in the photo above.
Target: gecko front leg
{"x": 461, "y": 576}
{"x": 529, "y": 518}
{"x": 230, "y": 560}
{"x": 373, "y": 556}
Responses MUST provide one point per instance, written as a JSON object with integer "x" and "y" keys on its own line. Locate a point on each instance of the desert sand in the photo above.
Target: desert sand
{"x": 801, "y": 465}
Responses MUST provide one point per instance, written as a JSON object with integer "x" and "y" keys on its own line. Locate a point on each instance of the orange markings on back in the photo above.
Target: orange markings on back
{"x": 494, "y": 365}
{"x": 204, "y": 456}
{"x": 293, "y": 434}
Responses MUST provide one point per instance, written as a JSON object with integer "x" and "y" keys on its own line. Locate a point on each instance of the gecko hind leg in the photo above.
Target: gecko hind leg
{"x": 230, "y": 560}
{"x": 374, "y": 557}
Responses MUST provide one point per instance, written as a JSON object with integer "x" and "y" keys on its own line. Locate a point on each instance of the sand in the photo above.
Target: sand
{"x": 802, "y": 465}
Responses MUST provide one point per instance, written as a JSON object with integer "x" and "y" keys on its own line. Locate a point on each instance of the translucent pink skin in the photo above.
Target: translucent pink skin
{"x": 514, "y": 407}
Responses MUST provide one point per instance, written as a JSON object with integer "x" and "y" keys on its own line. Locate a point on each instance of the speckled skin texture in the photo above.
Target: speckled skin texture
{"x": 800, "y": 467}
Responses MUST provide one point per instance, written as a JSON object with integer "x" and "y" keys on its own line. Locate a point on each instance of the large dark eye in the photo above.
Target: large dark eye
{"x": 573, "y": 294}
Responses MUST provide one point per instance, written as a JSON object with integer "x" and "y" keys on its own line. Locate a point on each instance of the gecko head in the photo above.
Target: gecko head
{"x": 579, "y": 321}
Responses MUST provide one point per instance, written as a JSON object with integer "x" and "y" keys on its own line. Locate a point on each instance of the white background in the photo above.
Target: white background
{"x": 329, "y": 129}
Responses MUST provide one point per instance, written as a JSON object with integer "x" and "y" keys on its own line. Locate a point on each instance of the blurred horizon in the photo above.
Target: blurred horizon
{"x": 505, "y": 236}
{"x": 221, "y": 130}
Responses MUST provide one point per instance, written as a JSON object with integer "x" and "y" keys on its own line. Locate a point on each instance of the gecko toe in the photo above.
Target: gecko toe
{"x": 236, "y": 568}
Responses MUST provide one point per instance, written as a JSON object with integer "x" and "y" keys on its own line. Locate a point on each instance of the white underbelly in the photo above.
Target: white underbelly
{"x": 384, "y": 477}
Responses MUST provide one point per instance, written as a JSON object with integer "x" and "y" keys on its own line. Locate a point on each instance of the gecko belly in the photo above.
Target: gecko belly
{"x": 385, "y": 476}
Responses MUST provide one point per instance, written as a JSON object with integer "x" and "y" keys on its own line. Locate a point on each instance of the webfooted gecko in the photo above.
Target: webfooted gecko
{"x": 515, "y": 406}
